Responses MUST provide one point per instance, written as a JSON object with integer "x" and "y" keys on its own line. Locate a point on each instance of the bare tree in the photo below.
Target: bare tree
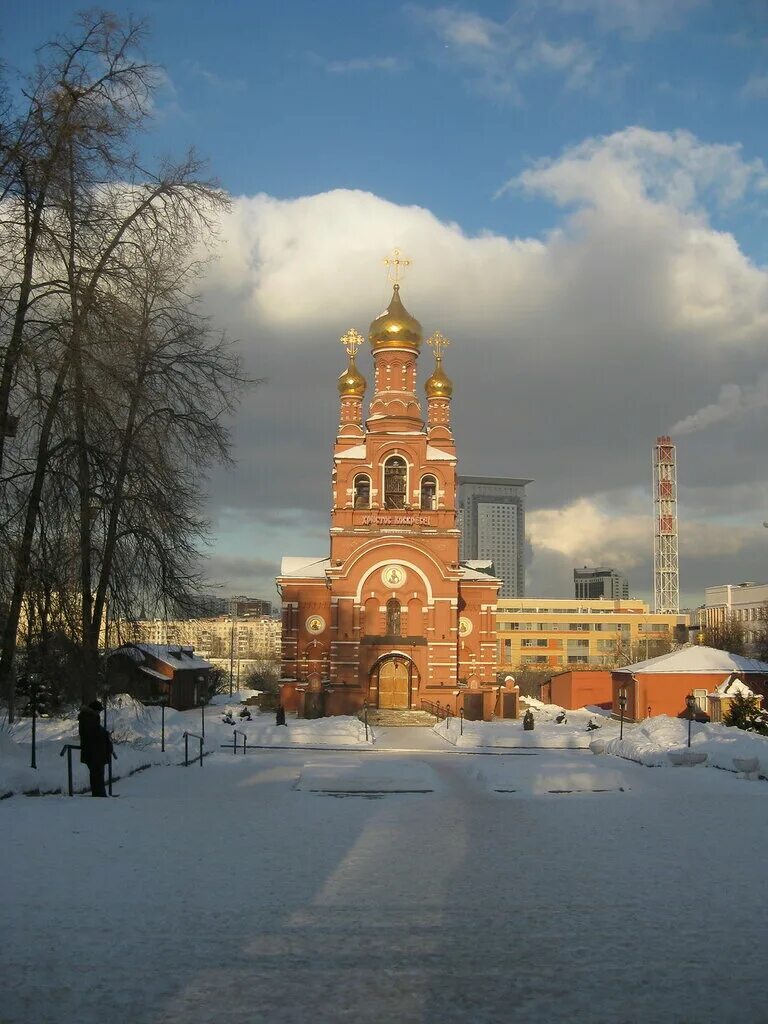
{"x": 727, "y": 635}
{"x": 128, "y": 387}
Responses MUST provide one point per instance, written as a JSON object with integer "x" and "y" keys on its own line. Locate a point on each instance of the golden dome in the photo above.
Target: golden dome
{"x": 395, "y": 326}
{"x": 351, "y": 381}
{"x": 439, "y": 385}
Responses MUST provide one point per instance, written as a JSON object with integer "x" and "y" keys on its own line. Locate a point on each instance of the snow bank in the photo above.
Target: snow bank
{"x": 648, "y": 742}
{"x": 571, "y": 734}
{"x": 136, "y": 732}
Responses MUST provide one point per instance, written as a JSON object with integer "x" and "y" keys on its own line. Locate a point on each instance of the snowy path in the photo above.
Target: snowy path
{"x": 223, "y": 894}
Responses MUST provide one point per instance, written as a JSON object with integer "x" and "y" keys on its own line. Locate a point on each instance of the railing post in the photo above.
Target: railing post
{"x": 201, "y": 753}
{"x": 234, "y": 742}
{"x": 186, "y": 749}
{"x": 461, "y": 721}
{"x": 67, "y": 749}
{"x": 365, "y": 720}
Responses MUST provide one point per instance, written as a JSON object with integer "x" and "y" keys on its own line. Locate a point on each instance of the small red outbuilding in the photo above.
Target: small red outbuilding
{"x": 578, "y": 689}
{"x": 660, "y": 686}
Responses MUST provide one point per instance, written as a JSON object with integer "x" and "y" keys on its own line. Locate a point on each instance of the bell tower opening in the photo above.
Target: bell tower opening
{"x": 395, "y": 482}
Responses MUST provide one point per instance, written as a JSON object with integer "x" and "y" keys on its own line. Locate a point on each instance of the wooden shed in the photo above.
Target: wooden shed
{"x": 152, "y": 671}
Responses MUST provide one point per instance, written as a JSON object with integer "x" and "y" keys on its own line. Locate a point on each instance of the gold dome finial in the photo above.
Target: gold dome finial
{"x": 439, "y": 385}
{"x": 351, "y": 381}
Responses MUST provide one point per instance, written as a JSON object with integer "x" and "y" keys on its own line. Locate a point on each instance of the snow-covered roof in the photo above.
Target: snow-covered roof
{"x": 438, "y": 455}
{"x": 153, "y": 673}
{"x": 698, "y": 659}
{"x": 313, "y": 566}
{"x": 730, "y": 687}
{"x": 355, "y": 452}
{"x": 176, "y": 655}
{"x": 468, "y": 572}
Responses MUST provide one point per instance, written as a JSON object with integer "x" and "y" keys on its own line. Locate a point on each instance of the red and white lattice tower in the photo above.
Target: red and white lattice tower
{"x": 666, "y": 575}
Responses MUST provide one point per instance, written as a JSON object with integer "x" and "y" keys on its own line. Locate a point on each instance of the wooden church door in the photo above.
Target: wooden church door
{"x": 394, "y": 684}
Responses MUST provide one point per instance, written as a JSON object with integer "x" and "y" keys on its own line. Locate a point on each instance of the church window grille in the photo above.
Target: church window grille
{"x": 393, "y": 617}
{"x": 362, "y": 491}
{"x": 429, "y": 493}
{"x": 395, "y": 481}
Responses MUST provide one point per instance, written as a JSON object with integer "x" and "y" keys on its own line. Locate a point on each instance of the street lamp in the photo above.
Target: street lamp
{"x": 690, "y": 703}
{"x": 622, "y": 709}
{"x": 163, "y": 700}
{"x": 33, "y": 701}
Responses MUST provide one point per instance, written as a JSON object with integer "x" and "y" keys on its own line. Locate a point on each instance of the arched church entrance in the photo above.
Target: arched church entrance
{"x": 392, "y": 677}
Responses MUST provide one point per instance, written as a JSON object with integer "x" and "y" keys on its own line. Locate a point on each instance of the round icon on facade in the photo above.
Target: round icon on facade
{"x": 393, "y": 576}
{"x": 315, "y": 624}
{"x": 465, "y": 626}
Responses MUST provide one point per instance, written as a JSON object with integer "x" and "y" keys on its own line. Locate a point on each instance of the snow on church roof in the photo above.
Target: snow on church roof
{"x": 304, "y": 565}
{"x": 698, "y": 659}
{"x": 469, "y": 572}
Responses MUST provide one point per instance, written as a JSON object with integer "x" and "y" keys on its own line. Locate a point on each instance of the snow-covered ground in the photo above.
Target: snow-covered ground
{"x": 572, "y": 733}
{"x": 525, "y": 885}
{"x": 649, "y": 743}
{"x": 137, "y": 736}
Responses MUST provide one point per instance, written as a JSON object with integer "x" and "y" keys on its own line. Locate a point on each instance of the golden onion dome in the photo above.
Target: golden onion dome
{"x": 351, "y": 381}
{"x": 439, "y": 385}
{"x": 395, "y": 326}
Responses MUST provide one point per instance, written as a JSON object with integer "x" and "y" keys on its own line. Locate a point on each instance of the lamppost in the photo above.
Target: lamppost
{"x": 33, "y": 701}
{"x": 690, "y": 703}
{"x": 163, "y": 699}
{"x": 622, "y": 709}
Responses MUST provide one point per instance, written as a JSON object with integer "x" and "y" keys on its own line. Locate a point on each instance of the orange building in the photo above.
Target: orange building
{"x": 660, "y": 686}
{"x": 577, "y": 689}
{"x": 390, "y": 618}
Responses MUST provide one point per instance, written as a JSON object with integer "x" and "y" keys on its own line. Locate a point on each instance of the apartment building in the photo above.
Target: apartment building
{"x": 559, "y": 633}
{"x": 215, "y": 638}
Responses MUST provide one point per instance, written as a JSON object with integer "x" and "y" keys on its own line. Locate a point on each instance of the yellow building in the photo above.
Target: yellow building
{"x": 539, "y": 632}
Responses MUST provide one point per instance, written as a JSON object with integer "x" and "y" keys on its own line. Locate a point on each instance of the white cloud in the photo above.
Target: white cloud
{"x": 638, "y": 164}
{"x": 219, "y": 83}
{"x": 756, "y": 87}
{"x": 584, "y": 533}
{"x": 499, "y": 55}
{"x": 571, "y": 352}
{"x": 639, "y": 18}
{"x": 733, "y": 402}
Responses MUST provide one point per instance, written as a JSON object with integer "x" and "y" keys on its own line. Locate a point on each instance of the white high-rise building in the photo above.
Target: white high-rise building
{"x": 492, "y": 523}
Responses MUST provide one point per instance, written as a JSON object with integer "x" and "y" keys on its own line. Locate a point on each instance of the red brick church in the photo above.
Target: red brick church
{"x": 391, "y": 618}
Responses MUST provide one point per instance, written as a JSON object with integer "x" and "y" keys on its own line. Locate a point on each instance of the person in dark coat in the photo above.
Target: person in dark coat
{"x": 280, "y": 715}
{"x": 95, "y": 745}
{"x": 561, "y": 718}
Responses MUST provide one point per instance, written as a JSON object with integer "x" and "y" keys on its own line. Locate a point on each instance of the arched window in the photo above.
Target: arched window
{"x": 428, "y": 492}
{"x": 395, "y": 479}
{"x": 393, "y": 617}
{"x": 362, "y": 491}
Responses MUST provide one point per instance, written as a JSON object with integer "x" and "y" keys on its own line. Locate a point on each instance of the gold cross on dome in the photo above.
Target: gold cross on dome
{"x": 395, "y": 264}
{"x": 351, "y": 341}
{"x": 438, "y": 343}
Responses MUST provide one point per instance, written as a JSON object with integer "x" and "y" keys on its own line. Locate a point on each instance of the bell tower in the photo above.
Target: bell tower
{"x": 392, "y": 617}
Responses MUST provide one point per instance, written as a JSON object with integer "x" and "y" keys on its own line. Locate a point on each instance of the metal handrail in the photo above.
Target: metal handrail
{"x": 436, "y": 709}
{"x": 235, "y": 734}
{"x": 194, "y": 736}
{"x": 67, "y": 749}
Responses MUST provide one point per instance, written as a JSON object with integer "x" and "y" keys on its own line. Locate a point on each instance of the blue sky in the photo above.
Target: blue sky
{"x": 304, "y": 96}
{"x": 582, "y": 185}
